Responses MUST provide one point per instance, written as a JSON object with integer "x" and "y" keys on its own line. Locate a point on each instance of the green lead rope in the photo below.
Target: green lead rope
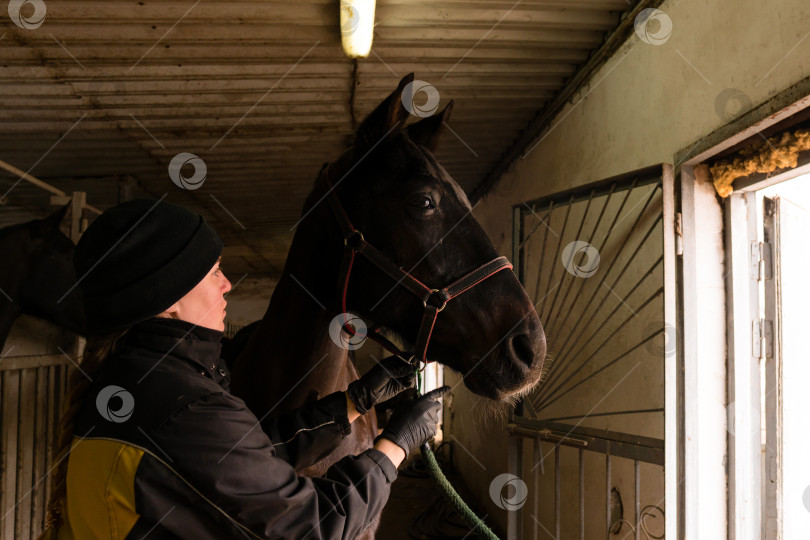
{"x": 446, "y": 489}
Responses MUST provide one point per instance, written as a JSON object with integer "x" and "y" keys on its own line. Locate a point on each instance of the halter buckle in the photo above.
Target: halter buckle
{"x": 355, "y": 240}
{"x": 440, "y": 295}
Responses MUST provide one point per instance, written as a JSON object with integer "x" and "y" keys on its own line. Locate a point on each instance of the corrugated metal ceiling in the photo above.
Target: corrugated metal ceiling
{"x": 105, "y": 93}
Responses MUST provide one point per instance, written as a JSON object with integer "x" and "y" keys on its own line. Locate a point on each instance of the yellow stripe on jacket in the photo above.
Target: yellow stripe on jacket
{"x": 100, "y": 490}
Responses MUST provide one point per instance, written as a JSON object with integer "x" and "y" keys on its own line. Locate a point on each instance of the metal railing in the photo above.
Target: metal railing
{"x": 593, "y": 260}
{"x": 614, "y": 446}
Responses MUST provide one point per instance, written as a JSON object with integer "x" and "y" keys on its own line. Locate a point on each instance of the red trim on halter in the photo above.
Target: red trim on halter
{"x": 348, "y": 273}
{"x": 355, "y": 243}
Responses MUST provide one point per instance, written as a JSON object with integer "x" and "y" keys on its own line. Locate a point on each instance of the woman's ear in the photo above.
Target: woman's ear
{"x": 170, "y": 313}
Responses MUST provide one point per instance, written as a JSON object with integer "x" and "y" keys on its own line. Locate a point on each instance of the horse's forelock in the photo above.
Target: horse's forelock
{"x": 435, "y": 170}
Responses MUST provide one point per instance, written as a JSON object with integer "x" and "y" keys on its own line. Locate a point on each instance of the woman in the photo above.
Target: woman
{"x": 153, "y": 444}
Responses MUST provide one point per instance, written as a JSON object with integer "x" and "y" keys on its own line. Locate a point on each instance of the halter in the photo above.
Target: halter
{"x": 433, "y": 300}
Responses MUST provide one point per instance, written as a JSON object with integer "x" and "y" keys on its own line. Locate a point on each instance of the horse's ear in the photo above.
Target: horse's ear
{"x": 386, "y": 120}
{"x": 426, "y": 132}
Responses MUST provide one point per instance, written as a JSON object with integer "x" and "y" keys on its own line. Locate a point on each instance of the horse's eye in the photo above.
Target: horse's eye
{"x": 423, "y": 202}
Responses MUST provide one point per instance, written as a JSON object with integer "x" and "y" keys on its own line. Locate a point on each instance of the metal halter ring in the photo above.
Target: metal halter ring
{"x": 354, "y": 235}
{"x": 432, "y": 292}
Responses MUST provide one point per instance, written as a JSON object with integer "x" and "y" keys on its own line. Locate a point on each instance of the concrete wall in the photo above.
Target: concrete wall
{"x": 644, "y": 105}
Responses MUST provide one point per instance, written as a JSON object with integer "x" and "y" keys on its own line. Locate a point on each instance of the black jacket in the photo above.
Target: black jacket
{"x": 162, "y": 449}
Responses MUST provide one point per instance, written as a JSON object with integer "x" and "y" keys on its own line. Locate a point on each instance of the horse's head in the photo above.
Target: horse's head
{"x": 407, "y": 206}
{"x": 47, "y": 262}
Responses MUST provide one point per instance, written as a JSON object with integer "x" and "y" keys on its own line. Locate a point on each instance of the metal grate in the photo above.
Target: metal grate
{"x": 613, "y": 475}
{"x": 32, "y": 389}
{"x": 592, "y": 258}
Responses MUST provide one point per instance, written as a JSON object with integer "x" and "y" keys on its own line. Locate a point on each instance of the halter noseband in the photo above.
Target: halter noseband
{"x": 433, "y": 300}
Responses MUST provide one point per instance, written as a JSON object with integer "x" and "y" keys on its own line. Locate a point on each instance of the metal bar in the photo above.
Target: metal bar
{"x": 557, "y": 492}
{"x": 11, "y": 412}
{"x": 523, "y": 432}
{"x": 25, "y": 471}
{"x": 550, "y": 400}
{"x": 581, "y": 494}
{"x": 637, "y": 501}
{"x": 567, "y": 357}
{"x": 625, "y": 181}
{"x": 622, "y": 445}
{"x": 540, "y": 262}
{"x": 14, "y": 363}
{"x": 607, "y": 492}
{"x": 618, "y": 252}
{"x": 554, "y": 437}
{"x": 542, "y": 463}
{"x": 598, "y": 248}
{"x": 556, "y": 366}
{"x": 517, "y": 242}
{"x": 613, "y": 413}
{"x": 538, "y": 456}
{"x": 556, "y": 256}
{"x": 50, "y": 424}
{"x": 565, "y": 354}
{"x": 586, "y": 433}
{"x": 514, "y": 520}
{"x": 41, "y": 442}
{"x": 545, "y": 435}
{"x": 541, "y": 221}
{"x": 568, "y": 275}
{"x": 559, "y": 324}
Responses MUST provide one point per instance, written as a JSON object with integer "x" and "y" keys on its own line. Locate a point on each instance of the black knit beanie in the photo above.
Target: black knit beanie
{"x": 139, "y": 258}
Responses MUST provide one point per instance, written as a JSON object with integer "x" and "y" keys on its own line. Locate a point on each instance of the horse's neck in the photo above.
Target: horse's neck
{"x": 291, "y": 359}
{"x": 37, "y": 295}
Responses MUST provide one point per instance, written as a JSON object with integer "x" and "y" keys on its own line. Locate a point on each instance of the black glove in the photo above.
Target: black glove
{"x": 415, "y": 422}
{"x": 388, "y": 378}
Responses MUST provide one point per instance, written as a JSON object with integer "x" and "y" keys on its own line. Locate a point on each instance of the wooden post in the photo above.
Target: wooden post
{"x": 126, "y": 188}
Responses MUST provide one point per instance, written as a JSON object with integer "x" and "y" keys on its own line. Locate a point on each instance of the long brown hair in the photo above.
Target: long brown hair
{"x": 96, "y": 351}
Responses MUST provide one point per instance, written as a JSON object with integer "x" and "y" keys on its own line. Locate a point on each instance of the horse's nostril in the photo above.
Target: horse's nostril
{"x": 522, "y": 349}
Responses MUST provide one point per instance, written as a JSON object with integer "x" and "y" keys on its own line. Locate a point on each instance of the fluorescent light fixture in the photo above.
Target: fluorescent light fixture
{"x": 357, "y": 27}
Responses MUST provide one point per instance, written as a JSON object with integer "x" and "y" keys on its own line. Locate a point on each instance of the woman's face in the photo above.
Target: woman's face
{"x": 204, "y": 305}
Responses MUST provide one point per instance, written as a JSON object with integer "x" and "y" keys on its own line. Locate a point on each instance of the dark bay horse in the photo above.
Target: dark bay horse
{"x": 36, "y": 268}
{"x": 407, "y": 206}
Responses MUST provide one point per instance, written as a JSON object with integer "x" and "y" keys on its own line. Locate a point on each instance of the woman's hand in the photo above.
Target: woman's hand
{"x": 413, "y": 423}
{"x": 384, "y": 381}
